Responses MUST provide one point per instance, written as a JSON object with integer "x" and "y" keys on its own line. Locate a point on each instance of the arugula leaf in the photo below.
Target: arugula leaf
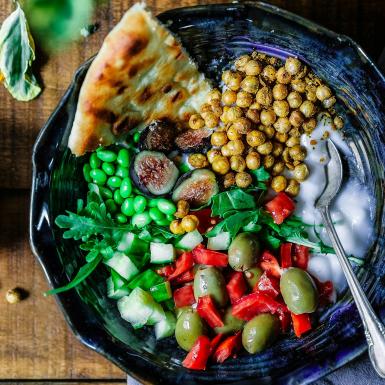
{"x": 270, "y": 240}
{"x": 260, "y": 174}
{"x": 229, "y": 200}
{"x": 17, "y": 52}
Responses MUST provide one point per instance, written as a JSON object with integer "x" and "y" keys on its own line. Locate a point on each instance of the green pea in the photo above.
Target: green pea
{"x": 128, "y": 207}
{"x": 86, "y": 173}
{"x": 153, "y": 203}
{"x": 118, "y": 198}
{"x": 95, "y": 161}
{"x": 123, "y": 172}
{"x": 156, "y": 214}
{"x": 141, "y": 219}
{"x": 136, "y": 137}
{"x": 105, "y": 192}
{"x": 126, "y": 188}
{"x": 166, "y": 207}
{"x": 98, "y": 176}
{"x": 121, "y": 218}
{"x": 123, "y": 157}
{"x": 111, "y": 206}
{"x": 108, "y": 168}
{"x": 163, "y": 222}
{"x": 114, "y": 181}
{"x": 106, "y": 155}
{"x": 140, "y": 204}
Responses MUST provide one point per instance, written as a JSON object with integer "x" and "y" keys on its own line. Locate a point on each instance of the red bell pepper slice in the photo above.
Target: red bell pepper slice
{"x": 184, "y": 296}
{"x": 205, "y": 220}
{"x": 165, "y": 271}
{"x": 325, "y": 291}
{"x": 183, "y": 263}
{"x": 256, "y": 303}
{"x": 267, "y": 285}
{"x": 204, "y": 256}
{"x": 236, "y": 286}
{"x": 215, "y": 342}
{"x": 301, "y": 323}
{"x": 187, "y": 276}
{"x": 280, "y": 207}
{"x": 227, "y": 348}
{"x": 285, "y": 251}
{"x": 197, "y": 357}
{"x": 270, "y": 264}
{"x": 207, "y": 310}
{"x": 301, "y": 256}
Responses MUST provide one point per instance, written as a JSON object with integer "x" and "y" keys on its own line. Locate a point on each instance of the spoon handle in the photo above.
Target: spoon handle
{"x": 374, "y": 329}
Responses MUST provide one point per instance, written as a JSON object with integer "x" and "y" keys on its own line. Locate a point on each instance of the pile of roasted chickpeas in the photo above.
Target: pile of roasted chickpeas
{"x": 258, "y": 119}
{"x": 185, "y": 222}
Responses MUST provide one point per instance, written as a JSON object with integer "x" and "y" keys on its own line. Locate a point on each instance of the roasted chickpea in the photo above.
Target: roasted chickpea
{"x": 269, "y": 73}
{"x": 295, "y": 131}
{"x": 225, "y": 151}
{"x": 292, "y": 65}
{"x": 244, "y": 99}
{"x": 283, "y": 76}
{"x": 224, "y": 117}
{"x": 241, "y": 62}
{"x": 198, "y": 160}
{"x": 212, "y": 154}
{"x": 281, "y": 108}
{"x": 268, "y": 161}
{"x": 253, "y": 160}
{"x": 176, "y": 227}
{"x": 229, "y": 97}
{"x": 196, "y": 122}
{"x": 286, "y": 156}
{"x": 226, "y": 76}
{"x": 264, "y": 97}
{"x": 234, "y": 113}
{"x": 277, "y": 149}
{"x": 214, "y": 94}
{"x": 253, "y": 115}
{"x": 328, "y": 103}
{"x": 308, "y": 108}
{"x": 253, "y": 68}
{"x": 206, "y": 108}
{"x": 190, "y": 223}
{"x": 282, "y": 125}
{"x": 297, "y": 153}
{"x": 292, "y": 188}
{"x": 300, "y": 172}
{"x": 234, "y": 81}
{"x": 218, "y": 138}
{"x": 280, "y": 91}
{"x": 309, "y": 125}
{"x": 265, "y": 148}
{"x": 298, "y": 85}
{"x": 278, "y": 183}
{"x": 268, "y": 130}
{"x": 255, "y": 106}
{"x": 311, "y": 94}
{"x": 293, "y": 141}
{"x": 233, "y": 134}
{"x": 236, "y": 147}
{"x": 338, "y": 122}
{"x": 250, "y": 84}
{"x": 243, "y": 179}
{"x": 183, "y": 208}
{"x": 294, "y": 99}
{"x": 237, "y": 163}
{"x": 267, "y": 117}
{"x": 301, "y": 74}
{"x": 282, "y": 138}
{"x": 296, "y": 118}
{"x": 278, "y": 168}
{"x": 323, "y": 92}
{"x": 211, "y": 120}
{"x": 255, "y": 138}
{"x": 229, "y": 180}
{"x": 221, "y": 165}
{"x": 242, "y": 125}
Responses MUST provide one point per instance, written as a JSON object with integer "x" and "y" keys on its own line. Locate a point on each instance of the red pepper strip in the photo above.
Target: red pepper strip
{"x": 301, "y": 256}
{"x": 285, "y": 252}
{"x": 203, "y": 256}
{"x": 256, "y": 303}
{"x": 270, "y": 264}
{"x": 166, "y": 271}
{"x": 227, "y": 348}
{"x": 187, "y": 276}
{"x": 325, "y": 291}
{"x": 284, "y": 317}
{"x": 207, "y": 310}
{"x": 184, "y": 296}
{"x": 205, "y": 220}
{"x": 197, "y": 357}
{"x": 183, "y": 263}
{"x": 301, "y": 323}
{"x": 280, "y": 207}
{"x": 236, "y": 286}
{"x": 267, "y": 285}
{"x": 215, "y": 342}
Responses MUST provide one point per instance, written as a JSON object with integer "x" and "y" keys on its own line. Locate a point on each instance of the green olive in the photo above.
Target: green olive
{"x": 231, "y": 323}
{"x": 189, "y": 327}
{"x": 243, "y": 251}
{"x": 252, "y": 275}
{"x": 180, "y": 310}
{"x": 210, "y": 281}
{"x": 260, "y": 332}
{"x": 299, "y": 291}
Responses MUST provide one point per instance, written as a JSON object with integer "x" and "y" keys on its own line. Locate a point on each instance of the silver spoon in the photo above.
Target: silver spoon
{"x": 373, "y": 328}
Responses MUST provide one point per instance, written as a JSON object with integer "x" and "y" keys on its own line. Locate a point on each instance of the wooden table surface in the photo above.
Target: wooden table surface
{"x": 35, "y": 343}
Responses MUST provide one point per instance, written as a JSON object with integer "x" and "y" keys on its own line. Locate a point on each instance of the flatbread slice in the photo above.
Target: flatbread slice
{"x": 140, "y": 74}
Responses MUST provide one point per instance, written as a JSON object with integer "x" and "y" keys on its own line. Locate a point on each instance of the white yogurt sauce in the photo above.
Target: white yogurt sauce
{"x": 350, "y": 211}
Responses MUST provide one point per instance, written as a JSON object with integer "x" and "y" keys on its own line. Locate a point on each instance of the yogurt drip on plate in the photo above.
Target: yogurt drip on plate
{"x": 350, "y": 211}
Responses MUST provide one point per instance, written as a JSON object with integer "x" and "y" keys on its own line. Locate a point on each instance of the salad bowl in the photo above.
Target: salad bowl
{"x": 214, "y": 35}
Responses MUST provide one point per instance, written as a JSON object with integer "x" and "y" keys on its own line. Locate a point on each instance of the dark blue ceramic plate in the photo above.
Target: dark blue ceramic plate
{"x": 214, "y": 35}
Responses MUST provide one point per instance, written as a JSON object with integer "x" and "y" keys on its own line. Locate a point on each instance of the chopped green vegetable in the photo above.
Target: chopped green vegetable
{"x": 145, "y": 280}
{"x": 166, "y": 327}
{"x": 161, "y": 292}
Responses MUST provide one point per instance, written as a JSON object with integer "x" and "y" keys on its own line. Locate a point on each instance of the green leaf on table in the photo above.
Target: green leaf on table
{"x": 17, "y": 52}
{"x": 229, "y": 200}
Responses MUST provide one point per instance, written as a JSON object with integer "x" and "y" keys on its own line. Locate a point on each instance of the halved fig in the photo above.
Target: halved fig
{"x": 158, "y": 136}
{"x": 196, "y": 187}
{"x": 153, "y": 173}
{"x": 193, "y": 140}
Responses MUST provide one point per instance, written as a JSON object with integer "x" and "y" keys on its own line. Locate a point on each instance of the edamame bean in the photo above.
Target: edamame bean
{"x": 114, "y": 181}
{"x": 156, "y": 214}
{"x": 111, "y": 206}
{"x": 162, "y": 222}
{"x": 123, "y": 157}
{"x": 166, "y": 207}
{"x": 86, "y": 173}
{"x": 106, "y": 155}
{"x": 141, "y": 220}
{"x": 122, "y": 172}
{"x": 105, "y": 192}
{"x": 170, "y": 217}
{"x": 108, "y": 168}
{"x": 121, "y": 218}
{"x": 98, "y": 176}
{"x": 94, "y": 161}
{"x": 140, "y": 204}
{"x": 126, "y": 188}
{"x": 136, "y": 137}
{"x": 153, "y": 203}
{"x": 118, "y": 198}
{"x": 128, "y": 207}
